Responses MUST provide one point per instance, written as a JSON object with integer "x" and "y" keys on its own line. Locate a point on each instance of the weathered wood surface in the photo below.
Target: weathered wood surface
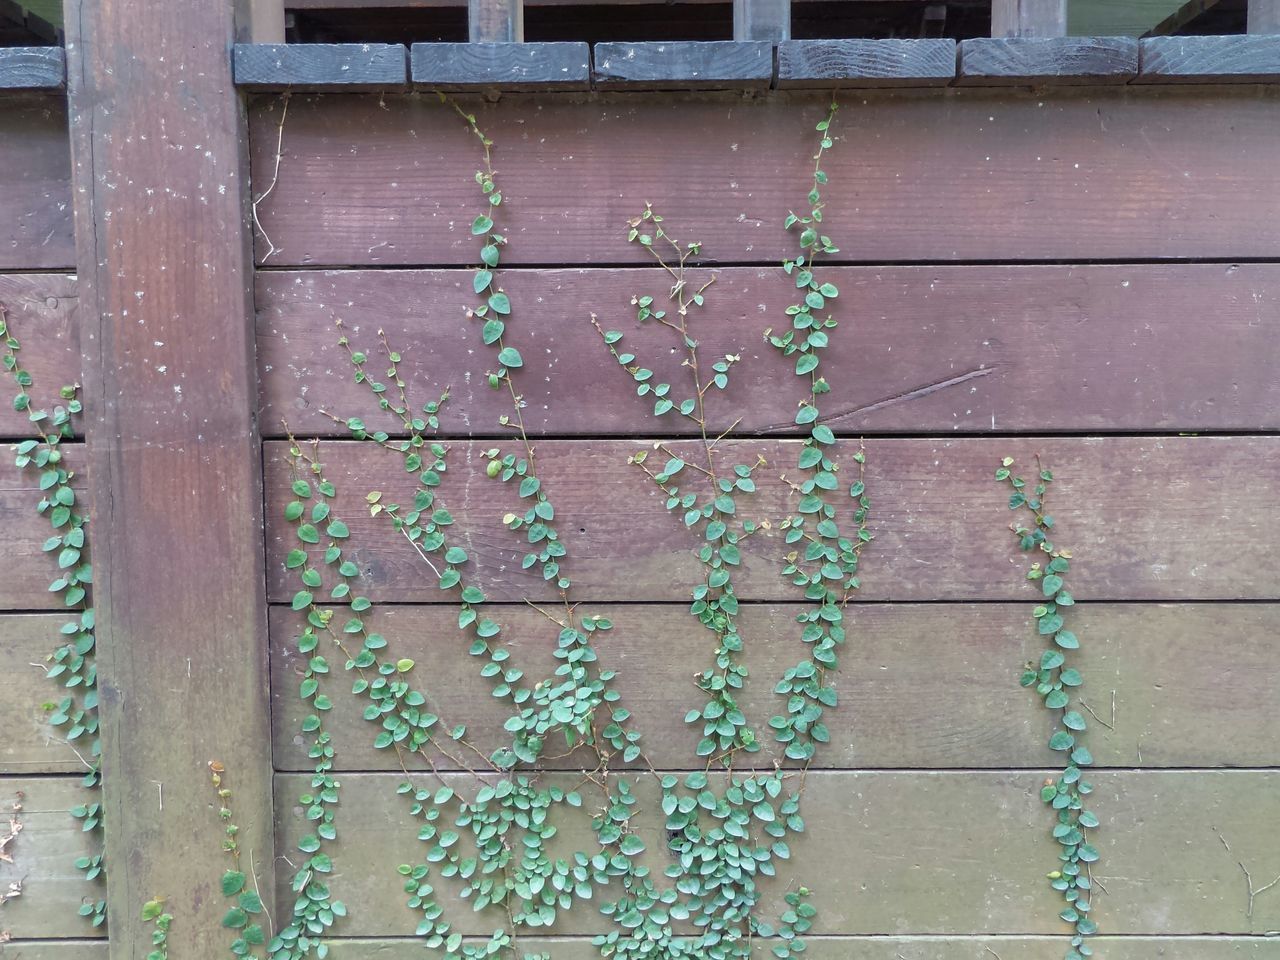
{"x": 1183, "y": 173}
{"x": 683, "y": 64}
{"x": 28, "y": 569}
{"x": 32, "y": 68}
{"x": 1264, "y": 16}
{"x": 880, "y": 849}
{"x": 165, "y": 274}
{"x": 1252, "y": 58}
{"x": 510, "y": 66}
{"x": 28, "y": 744}
{"x": 54, "y": 950}
{"x": 866, "y": 63}
{"x": 1028, "y": 18}
{"x": 919, "y": 349}
{"x": 43, "y": 859}
{"x": 762, "y": 20}
{"x": 991, "y": 60}
{"x": 35, "y": 184}
{"x": 41, "y": 308}
{"x": 1180, "y": 518}
{"x": 1186, "y": 679}
{"x": 345, "y": 67}
{"x": 876, "y": 948}
{"x": 495, "y": 21}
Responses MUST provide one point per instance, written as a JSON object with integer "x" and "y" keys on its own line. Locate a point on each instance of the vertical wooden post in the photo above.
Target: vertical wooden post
{"x": 174, "y": 465}
{"x": 1264, "y": 16}
{"x": 762, "y": 20}
{"x": 1028, "y": 18}
{"x": 260, "y": 21}
{"x": 495, "y": 21}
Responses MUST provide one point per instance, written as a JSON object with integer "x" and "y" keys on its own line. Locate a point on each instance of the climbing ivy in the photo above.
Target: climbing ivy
{"x": 153, "y": 912}
{"x": 73, "y": 665}
{"x": 1057, "y": 683}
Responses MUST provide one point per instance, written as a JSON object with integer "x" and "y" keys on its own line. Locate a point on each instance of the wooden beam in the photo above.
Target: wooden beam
{"x": 1029, "y": 18}
{"x": 495, "y": 21}
{"x": 1264, "y": 16}
{"x": 163, "y": 250}
{"x": 260, "y": 21}
{"x": 762, "y": 20}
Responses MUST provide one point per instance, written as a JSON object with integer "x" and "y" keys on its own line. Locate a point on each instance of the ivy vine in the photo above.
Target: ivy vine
{"x": 1057, "y": 683}
{"x": 72, "y": 664}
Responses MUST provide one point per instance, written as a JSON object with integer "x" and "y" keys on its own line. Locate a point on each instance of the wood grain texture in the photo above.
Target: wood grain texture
{"x": 1028, "y": 18}
{"x": 1181, "y": 518}
{"x": 507, "y": 66}
{"x": 1186, "y": 679}
{"x": 43, "y": 860}
{"x": 28, "y": 744}
{"x": 880, "y": 846}
{"x": 1264, "y": 16}
{"x": 345, "y": 67}
{"x": 42, "y": 316}
{"x": 495, "y": 21}
{"x": 1251, "y": 58}
{"x": 35, "y": 184}
{"x": 762, "y": 20}
{"x": 919, "y": 349}
{"x": 28, "y": 570}
{"x": 866, "y": 63}
{"x": 992, "y": 61}
{"x": 1177, "y": 173}
{"x": 32, "y": 68}
{"x": 683, "y": 64}
{"x": 54, "y": 949}
{"x": 174, "y": 461}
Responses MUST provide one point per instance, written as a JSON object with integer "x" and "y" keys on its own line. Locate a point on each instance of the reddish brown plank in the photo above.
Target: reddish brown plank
{"x": 28, "y": 570}
{"x": 902, "y": 852}
{"x": 42, "y": 315}
{"x": 919, "y": 348}
{"x": 28, "y": 744}
{"x": 906, "y": 700}
{"x": 1179, "y": 518}
{"x": 970, "y": 174}
{"x": 35, "y": 184}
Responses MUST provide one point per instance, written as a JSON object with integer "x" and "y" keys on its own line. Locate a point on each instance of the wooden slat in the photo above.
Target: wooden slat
{"x": 866, "y": 63}
{"x": 44, "y": 856}
{"x": 1162, "y": 519}
{"x": 344, "y": 67}
{"x": 683, "y": 65}
{"x": 1180, "y": 173}
{"x": 260, "y": 21}
{"x": 54, "y": 950}
{"x": 906, "y": 700}
{"x": 1264, "y": 16}
{"x": 762, "y": 20}
{"x": 42, "y": 315}
{"x": 28, "y": 744}
{"x": 1048, "y": 60}
{"x": 1191, "y": 59}
{"x": 880, "y": 948}
{"x": 35, "y": 184}
{"x": 508, "y": 66}
{"x": 495, "y": 21}
{"x": 920, "y": 349}
{"x": 883, "y": 851}
{"x": 165, "y": 273}
{"x": 28, "y": 570}
{"x": 1028, "y": 18}
{"x": 32, "y": 68}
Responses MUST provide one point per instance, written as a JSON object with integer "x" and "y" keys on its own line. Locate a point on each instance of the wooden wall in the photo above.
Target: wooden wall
{"x": 1090, "y": 274}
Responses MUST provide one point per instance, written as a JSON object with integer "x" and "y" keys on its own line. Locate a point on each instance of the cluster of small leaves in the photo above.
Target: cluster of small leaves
{"x": 153, "y": 912}
{"x": 827, "y": 568}
{"x": 1057, "y": 683}
{"x": 73, "y": 663}
{"x": 246, "y": 904}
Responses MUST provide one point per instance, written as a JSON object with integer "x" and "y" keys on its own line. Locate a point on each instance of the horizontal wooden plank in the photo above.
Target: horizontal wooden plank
{"x": 996, "y": 60}
{"x": 879, "y": 948}
{"x": 29, "y": 570}
{"x": 44, "y": 856}
{"x": 920, "y": 349}
{"x": 507, "y": 66}
{"x": 1244, "y": 58}
{"x": 1171, "y": 173}
{"x": 28, "y": 744}
{"x": 54, "y": 950}
{"x": 683, "y": 64}
{"x": 865, "y": 63}
{"x": 41, "y": 308}
{"x": 321, "y": 66}
{"x": 33, "y": 68}
{"x": 1160, "y": 519}
{"x": 35, "y": 184}
{"x": 1202, "y": 670}
{"x": 879, "y": 848}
